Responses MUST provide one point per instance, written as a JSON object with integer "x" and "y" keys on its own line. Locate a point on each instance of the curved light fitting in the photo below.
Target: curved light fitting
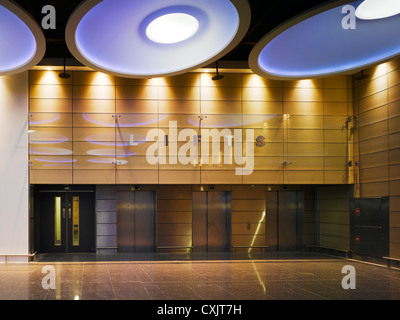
{"x": 22, "y": 42}
{"x": 378, "y": 9}
{"x": 152, "y": 38}
{"x": 316, "y": 44}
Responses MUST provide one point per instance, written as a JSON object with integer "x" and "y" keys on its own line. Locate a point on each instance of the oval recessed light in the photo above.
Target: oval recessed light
{"x": 152, "y": 38}
{"x": 316, "y": 44}
{"x": 373, "y": 9}
{"x": 172, "y": 28}
{"x": 22, "y": 41}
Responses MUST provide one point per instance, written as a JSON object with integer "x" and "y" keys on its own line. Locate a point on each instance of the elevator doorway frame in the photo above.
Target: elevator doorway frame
{"x": 273, "y": 223}
{"x": 132, "y": 248}
{"x": 197, "y": 233}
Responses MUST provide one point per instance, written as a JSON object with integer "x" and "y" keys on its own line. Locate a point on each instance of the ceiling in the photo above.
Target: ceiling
{"x": 266, "y": 15}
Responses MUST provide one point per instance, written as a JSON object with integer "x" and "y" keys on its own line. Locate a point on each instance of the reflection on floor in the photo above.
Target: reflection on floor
{"x": 176, "y": 256}
{"x": 216, "y": 276}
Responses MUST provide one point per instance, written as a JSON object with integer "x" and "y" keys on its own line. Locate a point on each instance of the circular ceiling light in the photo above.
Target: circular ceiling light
{"x": 373, "y": 9}
{"x": 172, "y": 28}
{"x": 316, "y": 44}
{"x": 152, "y": 38}
{"x": 22, "y": 41}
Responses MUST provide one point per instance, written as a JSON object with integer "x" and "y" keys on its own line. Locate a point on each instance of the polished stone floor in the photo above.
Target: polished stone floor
{"x": 203, "y": 277}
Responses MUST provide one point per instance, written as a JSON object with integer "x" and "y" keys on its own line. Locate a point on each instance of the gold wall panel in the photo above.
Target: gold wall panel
{"x": 94, "y": 176}
{"x": 304, "y": 108}
{"x": 262, "y": 94}
{"x": 336, "y": 177}
{"x": 48, "y": 77}
{"x": 264, "y": 177}
{"x": 394, "y": 93}
{"x": 255, "y": 81}
{"x": 187, "y": 79}
{"x": 303, "y": 94}
{"x": 336, "y": 108}
{"x": 50, "y": 105}
{"x": 93, "y": 79}
{"x": 94, "y": 92}
{"x": 303, "y": 177}
{"x": 178, "y": 93}
{"x": 50, "y": 91}
{"x": 136, "y": 106}
{"x": 179, "y": 106}
{"x": 94, "y": 106}
{"x": 263, "y": 107}
{"x": 99, "y": 114}
{"x": 377, "y": 105}
{"x": 136, "y": 92}
{"x": 373, "y": 130}
{"x": 220, "y": 93}
{"x": 53, "y": 176}
{"x": 335, "y": 95}
{"x": 373, "y": 101}
{"x": 221, "y": 107}
{"x": 394, "y": 141}
{"x": 140, "y": 176}
{"x": 337, "y": 82}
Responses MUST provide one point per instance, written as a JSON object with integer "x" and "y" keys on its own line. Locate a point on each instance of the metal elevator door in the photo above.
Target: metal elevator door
{"x": 136, "y": 221}
{"x": 284, "y": 220}
{"x": 211, "y": 221}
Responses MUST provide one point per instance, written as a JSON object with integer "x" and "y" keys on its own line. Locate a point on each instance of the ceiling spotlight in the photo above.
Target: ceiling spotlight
{"x": 172, "y": 28}
{"x": 64, "y": 75}
{"x": 362, "y": 76}
{"x": 373, "y": 9}
{"x": 217, "y": 76}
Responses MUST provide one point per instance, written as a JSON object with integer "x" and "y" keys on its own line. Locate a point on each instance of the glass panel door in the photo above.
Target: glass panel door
{"x": 57, "y": 221}
{"x": 75, "y": 221}
{"x": 66, "y": 222}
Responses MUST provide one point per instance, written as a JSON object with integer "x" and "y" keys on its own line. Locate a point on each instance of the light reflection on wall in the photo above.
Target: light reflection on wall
{"x": 43, "y": 118}
{"x": 49, "y": 151}
{"x": 107, "y": 139}
{"x": 121, "y": 120}
{"x": 110, "y": 153}
{"x": 256, "y": 232}
{"x": 56, "y": 160}
{"x": 46, "y": 138}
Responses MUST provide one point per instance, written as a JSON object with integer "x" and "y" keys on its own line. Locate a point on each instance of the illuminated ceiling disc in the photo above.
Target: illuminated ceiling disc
{"x": 378, "y": 9}
{"x": 172, "y": 28}
{"x": 22, "y": 42}
{"x": 320, "y": 44}
{"x": 152, "y": 38}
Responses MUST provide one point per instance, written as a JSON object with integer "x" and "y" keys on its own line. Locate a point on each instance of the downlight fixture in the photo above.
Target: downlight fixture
{"x": 152, "y": 38}
{"x": 172, "y": 28}
{"x": 378, "y": 9}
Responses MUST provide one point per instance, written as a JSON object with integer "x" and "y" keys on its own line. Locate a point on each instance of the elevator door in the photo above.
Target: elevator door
{"x": 66, "y": 222}
{"x": 136, "y": 221}
{"x": 211, "y": 221}
{"x": 284, "y": 220}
